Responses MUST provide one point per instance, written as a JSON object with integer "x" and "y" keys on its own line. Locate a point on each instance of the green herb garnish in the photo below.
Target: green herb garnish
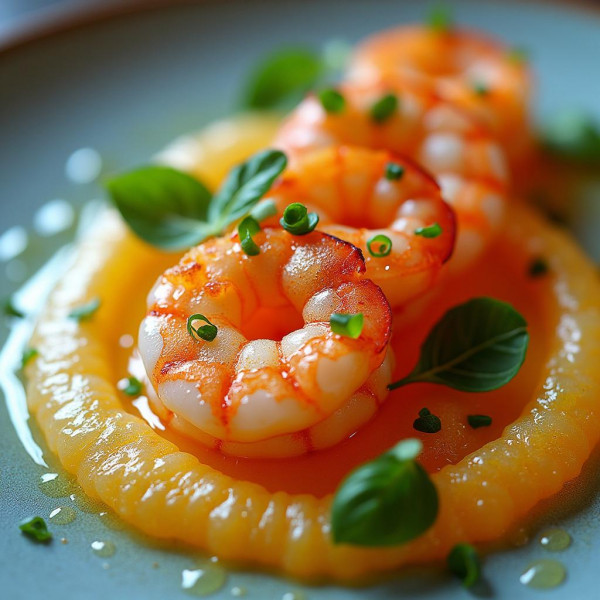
{"x": 431, "y": 231}
{"x": 347, "y": 325}
{"x": 477, "y": 346}
{"x": 477, "y": 421}
{"x": 28, "y": 355}
{"x": 297, "y": 220}
{"x": 172, "y": 210}
{"x": 246, "y": 229}
{"x": 393, "y": 171}
{"x": 481, "y": 89}
{"x": 384, "y": 108}
{"x": 86, "y": 311}
{"x": 440, "y": 19}
{"x": 379, "y": 246}
{"x": 573, "y": 135}
{"x": 538, "y": 267}
{"x": 206, "y": 332}
{"x": 388, "y": 501}
{"x": 132, "y": 386}
{"x": 10, "y": 310}
{"x": 282, "y": 78}
{"x": 36, "y": 529}
{"x": 463, "y": 561}
{"x": 332, "y": 101}
{"x": 427, "y": 423}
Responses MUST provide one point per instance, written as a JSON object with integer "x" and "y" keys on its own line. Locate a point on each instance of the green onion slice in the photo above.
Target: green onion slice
{"x": 246, "y": 229}
{"x": 379, "y": 246}
{"x": 393, "y": 171}
{"x": 384, "y": 108}
{"x": 432, "y": 231}
{"x": 131, "y": 386}
{"x": 205, "y": 332}
{"x": 28, "y": 355}
{"x": 297, "y": 220}
{"x": 347, "y": 325}
{"x": 332, "y": 101}
{"x": 36, "y": 529}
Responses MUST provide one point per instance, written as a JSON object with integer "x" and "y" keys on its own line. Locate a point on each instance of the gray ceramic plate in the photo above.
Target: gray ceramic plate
{"x": 126, "y": 86}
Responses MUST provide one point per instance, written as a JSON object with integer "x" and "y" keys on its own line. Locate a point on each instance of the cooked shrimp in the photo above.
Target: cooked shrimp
{"x": 256, "y": 389}
{"x": 466, "y": 162}
{"x": 360, "y": 194}
{"x": 463, "y": 67}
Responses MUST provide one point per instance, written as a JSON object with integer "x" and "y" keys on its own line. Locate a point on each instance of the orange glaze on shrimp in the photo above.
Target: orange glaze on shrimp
{"x": 463, "y": 67}
{"x": 465, "y": 161}
{"x": 243, "y": 392}
{"x": 356, "y": 200}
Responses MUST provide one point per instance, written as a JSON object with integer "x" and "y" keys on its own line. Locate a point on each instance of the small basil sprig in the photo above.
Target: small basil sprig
{"x": 388, "y": 501}
{"x": 172, "y": 210}
{"x": 477, "y": 346}
{"x": 282, "y": 78}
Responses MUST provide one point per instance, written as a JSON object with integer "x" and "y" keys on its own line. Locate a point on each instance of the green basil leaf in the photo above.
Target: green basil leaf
{"x": 477, "y": 346}
{"x": 245, "y": 185}
{"x": 573, "y": 135}
{"x": 463, "y": 561}
{"x": 282, "y": 78}
{"x": 163, "y": 206}
{"x": 388, "y": 501}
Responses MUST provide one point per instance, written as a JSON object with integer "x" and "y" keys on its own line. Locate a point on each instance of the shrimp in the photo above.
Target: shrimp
{"x": 462, "y": 67}
{"x": 275, "y": 381}
{"x": 356, "y": 200}
{"x": 465, "y": 161}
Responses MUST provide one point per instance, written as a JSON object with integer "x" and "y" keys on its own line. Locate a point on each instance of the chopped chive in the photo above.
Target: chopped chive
{"x": 263, "y": 210}
{"x": 426, "y": 422}
{"x": 85, "y": 311}
{"x": 131, "y": 386}
{"x": 393, "y": 171}
{"x": 481, "y": 89}
{"x": 463, "y": 561}
{"x": 206, "y": 333}
{"x": 36, "y": 529}
{"x": 518, "y": 55}
{"x": 332, "y": 101}
{"x": 246, "y": 229}
{"x": 384, "y": 108}
{"x": 28, "y": 355}
{"x": 477, "y": 421}
{"x": 440, "y": 19}
{"x": 347, "y": 325}
{"x": 538, "y": 267}
{"x": 297, "y": 220}
{"x": 379, "y": 246}
{"x": 10, "y": 310}
{"x": 431, "y": 231}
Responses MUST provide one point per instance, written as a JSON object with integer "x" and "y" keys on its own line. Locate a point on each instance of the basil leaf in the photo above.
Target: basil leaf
{"x": 388, "y": 501}
{"x": 477, "y": 346}
{"x": 245, "y": 185}
{"x": 282, "y": 78}
{"x": 163, "y": 206}
{"x": 463, "y": 561}
{"x": 573, "y": 135}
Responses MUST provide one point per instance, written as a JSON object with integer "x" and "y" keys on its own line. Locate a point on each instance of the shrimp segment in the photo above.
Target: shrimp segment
{"x": 347, "y": 186}
{"x": 462, "y": 67}
{"x": 239, "y": 392}
{"x": 466, "y": 162}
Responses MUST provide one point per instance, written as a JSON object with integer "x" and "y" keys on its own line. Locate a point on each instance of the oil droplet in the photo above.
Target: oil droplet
{"x": 64, "y": 541}
{"x": 520, "y": 538}
{"x": 86, "y": 504}
{"x": 126, "y": 341}
{"x": 103, "y": 549}
{"x": 207, "y": 579}
{"x": 555, "y": 539}
{"x": 63, "y": 515}
{"x": 112, "y": 521}
{"x": 54, "y": 485}
{"x": 83, "y": 166}
{"x": 53, "y": 217}
{"x": 293, "y": 596}
{"x": 543, "y": 574}
{"x": 238, "y": 591}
